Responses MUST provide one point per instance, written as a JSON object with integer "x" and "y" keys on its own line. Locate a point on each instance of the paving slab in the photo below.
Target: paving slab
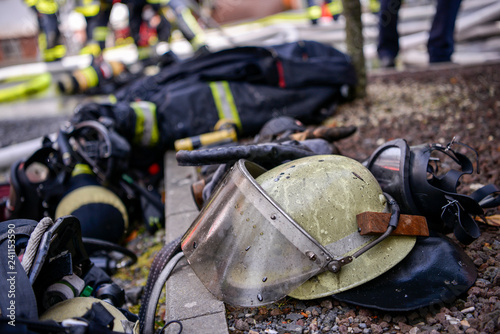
{"x": 187, "y": 300}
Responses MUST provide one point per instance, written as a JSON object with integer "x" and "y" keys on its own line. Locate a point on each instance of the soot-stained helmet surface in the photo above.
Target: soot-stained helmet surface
{"x": 323, "y": 194}
{"x": 292, "y": 230}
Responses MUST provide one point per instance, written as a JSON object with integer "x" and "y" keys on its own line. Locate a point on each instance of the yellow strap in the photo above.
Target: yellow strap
{"x": 158, "y": 2}
{"x": 89, "y": 10}
{"x": 314, "y": 12}
{"x": 42, "y": 41}
{"x": 335, "y": 7}
{"x": 37, "y": 84}
{"x": 91, "y": 76}
{"x": 91, "y": 49}
{"x": 30, "y": 3}
{"x": 374, "y": 6}
{"x": 146, "y": 124}
{"x": 58, "y": 51}
{"x": 224, "y": 102}
{"x": 81, "y": 169}
{"x": 47, "y": 6}
{"x": 199, "y": 36}
{"x": 100, "y": 33}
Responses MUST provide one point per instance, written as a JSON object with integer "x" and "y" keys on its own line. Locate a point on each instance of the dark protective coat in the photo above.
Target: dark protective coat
{"x": 300, "y": 79}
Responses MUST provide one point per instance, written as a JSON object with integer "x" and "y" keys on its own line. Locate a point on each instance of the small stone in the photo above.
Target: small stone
{"x": 441, "y": 318}
{"x": 275, "y": 312}
{"x": 251, "y": 314}
{"x": 482, "y": 283}
{"x": 350, "y": 314}
{"x": 468, "y": 309}
{"x": 452, "y": 320}
{"x": 387, "y": 318}
{"x": 293, "y": 329}
{"x": 384, "y": 325}
{"x": 445, "y": 310}
{"x": 414, "y": 330}
{"x": 376, "y": 329}
{"x": 399, "y": 318}
{"x": 489, "y": 327}
{"x": 404, "y": 327}
{"x": 430, "y": 320}
{"x": 252, "y": 332}
{"x": 453, "y": 329}
{"x": 364, "y": 312}
{"x": 343, "y": 329}
{"x": 270, "y": 331}
{"x": 483, "y": 267}
{"x": 294, "y": 316}
{"x": 491, "y": 272}
{"x": 241, "y": 325}
{"x": 327, "y": 303}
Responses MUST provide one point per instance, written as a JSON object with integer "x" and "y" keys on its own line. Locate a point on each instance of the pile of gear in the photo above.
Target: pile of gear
{"x": 104, "y": 169}
{"x": 284, "y": 213}
{"x": 312, "y": 224}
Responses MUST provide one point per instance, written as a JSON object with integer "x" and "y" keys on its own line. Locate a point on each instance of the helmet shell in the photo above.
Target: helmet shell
{"x": 78, "y": 306}
{"x": 323, "y": 194}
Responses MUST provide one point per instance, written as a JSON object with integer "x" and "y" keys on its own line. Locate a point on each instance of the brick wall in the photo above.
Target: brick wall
{"x": 18, "y": 50}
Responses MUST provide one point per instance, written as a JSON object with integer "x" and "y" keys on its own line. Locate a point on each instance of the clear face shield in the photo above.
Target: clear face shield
{"x": 246, "y": 250}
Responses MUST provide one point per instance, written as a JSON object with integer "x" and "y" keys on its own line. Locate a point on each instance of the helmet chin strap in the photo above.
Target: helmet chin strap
{"x": 335, "y": 265}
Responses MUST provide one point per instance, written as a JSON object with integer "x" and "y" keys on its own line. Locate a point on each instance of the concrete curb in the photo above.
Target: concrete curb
{"x": 187, "y": 300}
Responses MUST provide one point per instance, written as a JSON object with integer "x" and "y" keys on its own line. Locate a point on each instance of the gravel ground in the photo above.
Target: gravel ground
{"x": 422, "y": 107}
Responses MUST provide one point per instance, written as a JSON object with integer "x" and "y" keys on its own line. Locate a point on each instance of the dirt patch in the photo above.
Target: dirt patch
{"x": 430, "y": 106}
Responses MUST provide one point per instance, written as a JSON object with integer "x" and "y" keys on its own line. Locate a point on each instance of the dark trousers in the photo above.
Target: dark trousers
{"x": 441, "y": 40}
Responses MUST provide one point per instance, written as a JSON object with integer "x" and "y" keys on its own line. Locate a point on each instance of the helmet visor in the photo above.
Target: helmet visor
{"x": 244, "y": 248}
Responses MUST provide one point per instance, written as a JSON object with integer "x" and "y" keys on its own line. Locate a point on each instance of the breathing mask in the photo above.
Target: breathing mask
{"x": 413, "y": 176}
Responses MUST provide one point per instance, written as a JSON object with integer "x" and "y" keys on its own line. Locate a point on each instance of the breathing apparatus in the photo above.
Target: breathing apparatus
{"x": 57, "y": 287}
{"x": 84, "y": 172}
{"x": 93, "y": 79}
{"x": 412, "y": 175}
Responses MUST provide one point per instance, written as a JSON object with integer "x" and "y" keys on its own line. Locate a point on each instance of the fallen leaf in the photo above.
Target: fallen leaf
{"x": 491, "y": 220}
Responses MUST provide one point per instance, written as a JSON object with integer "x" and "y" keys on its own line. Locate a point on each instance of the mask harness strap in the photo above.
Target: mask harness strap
{"x": 487, "y": 196}
{"x": 459, "y": 210}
